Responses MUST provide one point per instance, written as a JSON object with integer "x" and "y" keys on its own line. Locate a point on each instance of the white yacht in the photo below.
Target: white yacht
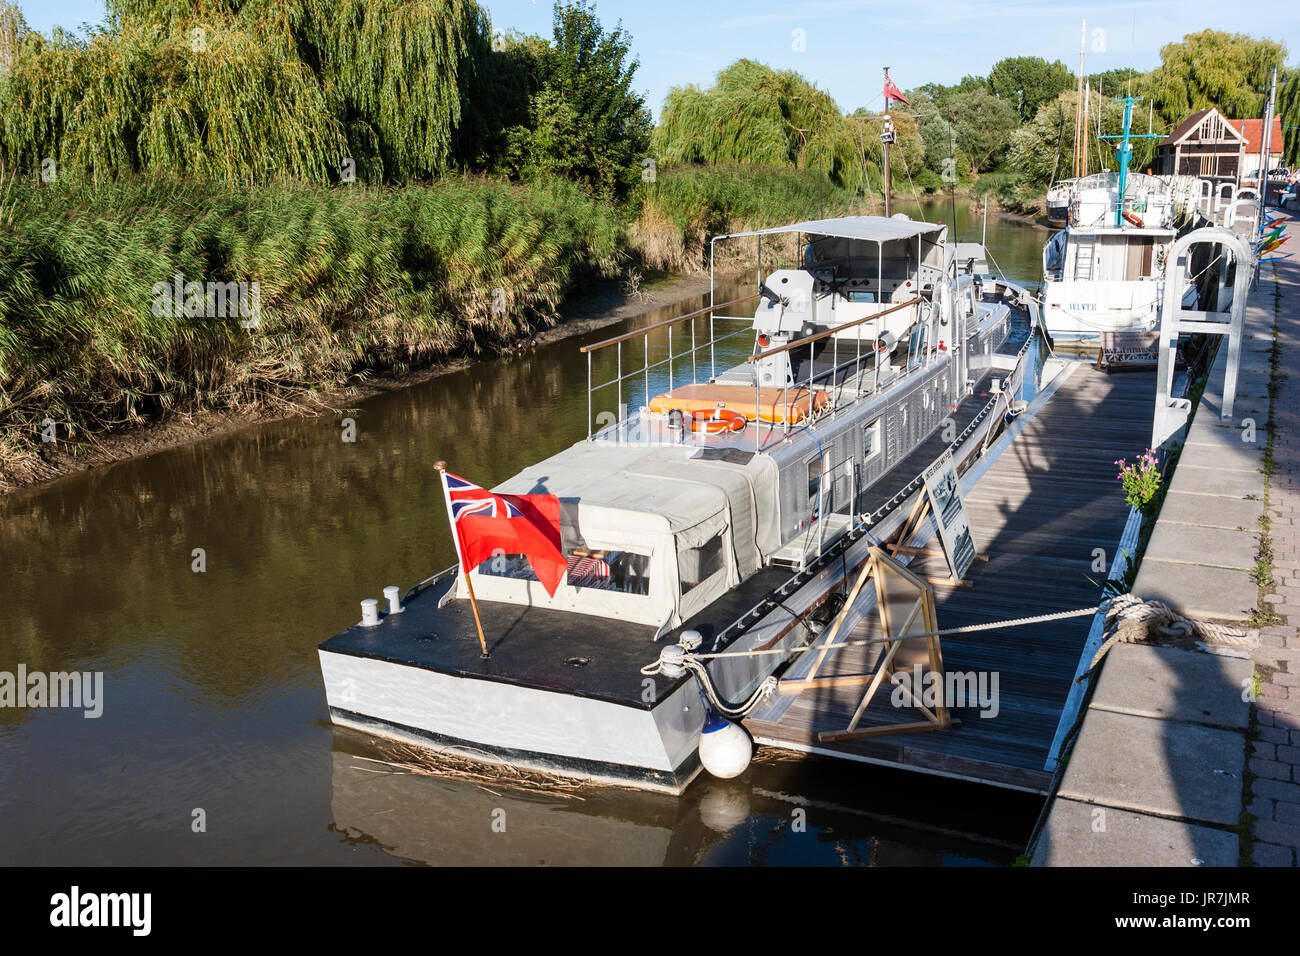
{"x": 1104, "y": 271}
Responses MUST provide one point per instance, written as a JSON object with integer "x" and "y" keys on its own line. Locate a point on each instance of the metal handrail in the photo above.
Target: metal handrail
{"x": 672, "y": 356}
{"x": 665, "y": 323}
{"x": 839, "y": 328}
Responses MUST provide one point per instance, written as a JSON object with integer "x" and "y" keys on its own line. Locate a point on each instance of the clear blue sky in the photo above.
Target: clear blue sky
{"x": 846, "y": 42}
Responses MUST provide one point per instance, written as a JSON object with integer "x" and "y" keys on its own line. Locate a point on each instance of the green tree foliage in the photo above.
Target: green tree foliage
{"x": 1226, "y": 70}
{"x": 1288, "y": 109}
{"x": 247, "y": 89}
{"x": 394, "y": 70}
{"x": 756, "y": 116}
{"x": 1027, "y": 82}
{"x": 1043, "y": 150}
{"x": 942, "y": 95}
{"x": 1117, "y": 82}
{"x": 585, "y": 122}
{"x": 984, "y": 124}
{"x": 251, "y": 90}
{"x": 143, "y": 98}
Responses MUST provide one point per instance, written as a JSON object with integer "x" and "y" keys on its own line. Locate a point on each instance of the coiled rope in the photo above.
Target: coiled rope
{"x": 1130, "y": 620}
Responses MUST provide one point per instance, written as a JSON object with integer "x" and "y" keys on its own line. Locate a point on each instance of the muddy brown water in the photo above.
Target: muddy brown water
{"x": 214, "y": 744}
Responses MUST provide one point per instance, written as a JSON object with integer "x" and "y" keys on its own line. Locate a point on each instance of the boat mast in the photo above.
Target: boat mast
{"x": 1087, "y": 115}
{"x": 887, "y": 139}
{"x": 1124, "y": 152}
{"x": 1266, "y": 148}
{"x": 1078, "y": 100}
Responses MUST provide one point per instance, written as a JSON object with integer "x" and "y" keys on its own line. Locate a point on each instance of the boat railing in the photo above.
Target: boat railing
{"x": 864, "y": 524}
{"x": 415, "y": 589}
{"x": 691, "y": 352}
{"x": 831, "y": 373}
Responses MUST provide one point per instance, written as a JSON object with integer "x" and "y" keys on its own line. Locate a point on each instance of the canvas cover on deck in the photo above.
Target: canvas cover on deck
{"x": 663, "y": 501}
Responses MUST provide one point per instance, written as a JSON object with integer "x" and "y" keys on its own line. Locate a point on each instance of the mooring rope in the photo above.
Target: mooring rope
{"x": 764, "y": 690}
{"x": 1130, "y": 620}
{"x": 967, "y": 629}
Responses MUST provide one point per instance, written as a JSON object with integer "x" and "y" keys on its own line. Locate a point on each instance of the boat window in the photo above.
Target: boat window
{"x": 814, "y": 476}
{"x": 868, "y": 297}
{"x": 916, "y": 346}
{"x": 871, "y": 440}
{"x": 623, "y": 571}
{"x": 697, "y": 565}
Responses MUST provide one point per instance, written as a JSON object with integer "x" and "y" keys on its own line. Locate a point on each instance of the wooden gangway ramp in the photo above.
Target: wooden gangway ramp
{"x": 1038, "y": 512}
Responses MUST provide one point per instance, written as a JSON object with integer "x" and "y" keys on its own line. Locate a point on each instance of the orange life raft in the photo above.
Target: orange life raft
{"x": 775, "y": 406}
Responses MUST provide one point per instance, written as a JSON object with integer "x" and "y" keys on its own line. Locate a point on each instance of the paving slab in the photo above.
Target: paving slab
{"x": 1220, "y": 594}
{"x": 1204, "y": 422}
{"x": 1164, "y": 767}
{"x": 1081, "y": 834}
{"x": 1171, "y": 683}
{"x": 1210, "y": 547}
{"x": 1199, "y": 480}
{"x": 1210, "y": 511}
{"x": 1229, "y": 453}
{"x": 1215, "y": 434}
{"x": 1243, "y": 406}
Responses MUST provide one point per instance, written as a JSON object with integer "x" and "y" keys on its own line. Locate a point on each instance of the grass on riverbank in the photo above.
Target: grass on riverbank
{"x": 352, "y": 281}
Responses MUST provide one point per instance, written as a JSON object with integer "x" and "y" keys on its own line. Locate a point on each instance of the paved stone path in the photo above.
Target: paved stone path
{"x": 1274, "y": 788}
{"x": 1173, "y": 758}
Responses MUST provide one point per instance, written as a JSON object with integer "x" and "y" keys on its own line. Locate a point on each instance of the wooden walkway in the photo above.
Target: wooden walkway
{"x": 1038, "y": 513}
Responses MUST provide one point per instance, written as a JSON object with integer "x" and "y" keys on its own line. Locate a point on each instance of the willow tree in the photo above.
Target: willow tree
{"x": 1042, "y": 150}
{"x": 247, "y": 89}
{"x": 1229, "y": 71}
{"x": 1288, "y": 108}
{"x": 756, "y": 116}
{"x": 396, "y": 69}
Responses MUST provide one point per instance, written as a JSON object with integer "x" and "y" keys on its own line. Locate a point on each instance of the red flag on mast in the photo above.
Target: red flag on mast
{"x": 892, "y": 92}
{"x": 485, "y": 524}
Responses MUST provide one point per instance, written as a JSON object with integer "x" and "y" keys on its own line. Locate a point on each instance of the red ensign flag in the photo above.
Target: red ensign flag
{"x": 484, "y": 524}
{"x": 893, "y": 93}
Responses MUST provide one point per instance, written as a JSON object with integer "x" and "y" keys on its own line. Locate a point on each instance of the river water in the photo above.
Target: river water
{"x": 214, "y": 744}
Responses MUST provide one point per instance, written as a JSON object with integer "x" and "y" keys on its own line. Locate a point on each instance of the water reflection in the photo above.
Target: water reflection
{"x": 768, "y": 816}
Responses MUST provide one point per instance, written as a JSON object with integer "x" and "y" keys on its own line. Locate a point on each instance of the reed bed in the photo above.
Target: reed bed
{"x": 351, "y": 280}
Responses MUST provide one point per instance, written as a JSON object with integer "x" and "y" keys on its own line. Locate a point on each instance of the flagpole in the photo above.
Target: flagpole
{"x": 469, "y": 581}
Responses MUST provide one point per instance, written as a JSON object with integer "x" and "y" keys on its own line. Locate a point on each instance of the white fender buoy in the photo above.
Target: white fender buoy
{"x": 725, "y": 747}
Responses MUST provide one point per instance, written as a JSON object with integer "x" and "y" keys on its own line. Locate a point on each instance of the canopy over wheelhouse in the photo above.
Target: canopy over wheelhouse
{"x": 653, "y": 534}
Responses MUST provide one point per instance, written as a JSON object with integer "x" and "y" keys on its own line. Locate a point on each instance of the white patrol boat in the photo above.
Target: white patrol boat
{"x": 722, "y": 507}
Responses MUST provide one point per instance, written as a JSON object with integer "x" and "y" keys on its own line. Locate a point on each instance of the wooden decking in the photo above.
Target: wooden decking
{"x": 1038, "y": 512}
